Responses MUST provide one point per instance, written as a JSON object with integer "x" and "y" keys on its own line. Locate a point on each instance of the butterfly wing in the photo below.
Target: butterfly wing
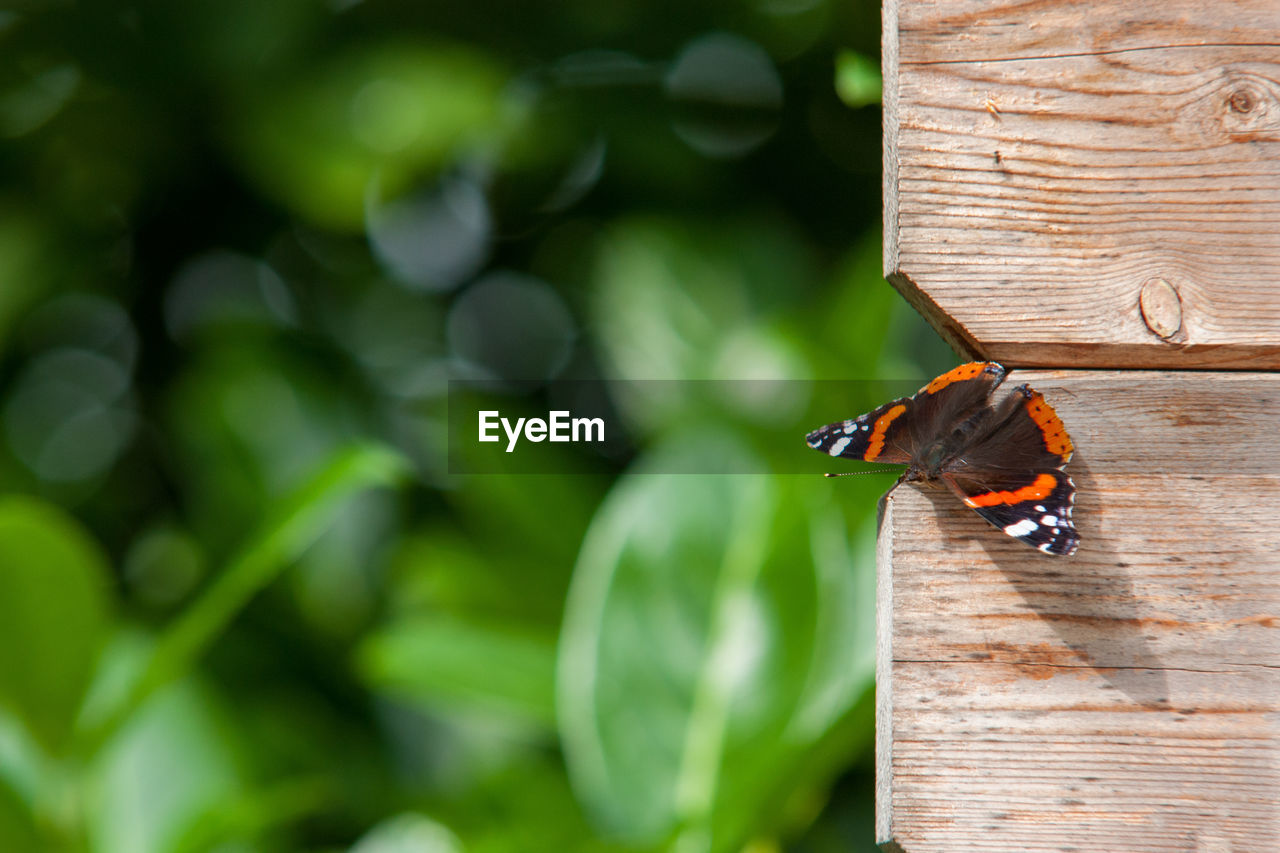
{"x": 1012, "y": 474}
{"x": 881, "y": 435}
{"x": 1031, "y": 505}
{"x": 956, "y": 400}
{"x": 896, "y": 431}
{"x": 1024, "y": 433}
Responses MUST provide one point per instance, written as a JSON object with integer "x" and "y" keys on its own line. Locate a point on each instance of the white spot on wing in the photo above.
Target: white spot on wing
{"x": 1049, "y": 521}
{"x": 838, "y": 447}
{"x": 1022, "y": 528}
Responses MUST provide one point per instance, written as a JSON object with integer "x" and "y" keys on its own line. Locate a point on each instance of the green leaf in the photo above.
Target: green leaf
{"x": 296, "y": 524}
{"x": 53, "y": 615}
{"x": 173, "y": 762}
{"x": 408, "y": 833}
{"x": 17, "y": 828}
{"x": 665, "y": 290}
{"x": 456, "y": 663}
{"x": 525, "y": 805}
{"x": 857, "y": 79}
{"x": 714, "y": 635}
{"x": 253, "y": 813}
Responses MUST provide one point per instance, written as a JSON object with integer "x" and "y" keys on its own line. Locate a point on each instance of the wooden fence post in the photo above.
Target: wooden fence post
{"x": 1092, "y": 187}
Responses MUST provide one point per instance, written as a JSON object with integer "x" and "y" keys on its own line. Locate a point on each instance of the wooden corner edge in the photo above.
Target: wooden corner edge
{"x": 889, "y": 129}
{"x": 884, "y": 676}
{"x": 956, "y": 335}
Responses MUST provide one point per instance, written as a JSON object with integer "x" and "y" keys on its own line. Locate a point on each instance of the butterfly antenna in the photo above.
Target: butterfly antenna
{"x": 855, "y": 473}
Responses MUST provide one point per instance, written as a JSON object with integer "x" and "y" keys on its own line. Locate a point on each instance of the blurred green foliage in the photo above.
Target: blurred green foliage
{"x": 244, "y": 247}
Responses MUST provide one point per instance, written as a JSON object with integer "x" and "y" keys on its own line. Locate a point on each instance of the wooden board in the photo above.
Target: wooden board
{"x": 1124, "y": 699}
{"x": 1044, "y": 161}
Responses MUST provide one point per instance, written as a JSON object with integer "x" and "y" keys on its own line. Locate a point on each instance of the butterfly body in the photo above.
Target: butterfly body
{"x": 1004, "y": 460}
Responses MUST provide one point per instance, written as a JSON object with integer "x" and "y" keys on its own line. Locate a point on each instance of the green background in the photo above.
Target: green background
{"x": 244, "y": 246}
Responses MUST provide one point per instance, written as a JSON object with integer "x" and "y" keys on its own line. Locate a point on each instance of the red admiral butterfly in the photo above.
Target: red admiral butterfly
{"x": 1003, "y": 460}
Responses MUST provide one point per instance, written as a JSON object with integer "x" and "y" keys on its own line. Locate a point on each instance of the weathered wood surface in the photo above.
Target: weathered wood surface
{"x": 1125, "y": 699}
{"x": 1046, "y": 160}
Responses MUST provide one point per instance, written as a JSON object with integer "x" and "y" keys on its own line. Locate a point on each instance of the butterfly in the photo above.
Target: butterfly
{"x": 1003, "y": 459}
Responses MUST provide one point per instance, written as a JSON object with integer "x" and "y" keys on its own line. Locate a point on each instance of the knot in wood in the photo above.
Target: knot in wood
{"x": 1242, "y": 100}
{"x": 1250, "y": 107}
{"x": 1161, "y": 308}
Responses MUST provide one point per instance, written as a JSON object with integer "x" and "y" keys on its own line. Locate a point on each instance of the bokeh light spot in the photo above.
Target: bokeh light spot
{"x": 223, "y": 288}
{"x": 513, "y": 325}
{"x": 727, "y": 93}
{"x": 163, "y": 565}
{"x": 434, "y": 241}
{"x": 397, "y": 337}
{"x": 85, "y": 321}
{"x": 65, "y": 419}
{"x": 858, "y": 80}
{"x": 27, "y": 107}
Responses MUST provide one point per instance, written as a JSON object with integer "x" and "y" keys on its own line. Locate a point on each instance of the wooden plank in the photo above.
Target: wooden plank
{"x": 1044, "y": 161}
{"x": 1126, "y": 698}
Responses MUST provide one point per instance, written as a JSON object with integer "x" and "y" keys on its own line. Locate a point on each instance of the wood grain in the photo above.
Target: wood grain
{"x": 1123, "y": 699}
{"x": 1044, "y": 160}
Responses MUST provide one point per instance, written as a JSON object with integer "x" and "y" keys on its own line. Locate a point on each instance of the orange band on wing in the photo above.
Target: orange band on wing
{"x": 1055, "y": 434}
{"x": 876, "y": 442}
{"x": 958, "y": 374}
{"x": 1039, "y": 490}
